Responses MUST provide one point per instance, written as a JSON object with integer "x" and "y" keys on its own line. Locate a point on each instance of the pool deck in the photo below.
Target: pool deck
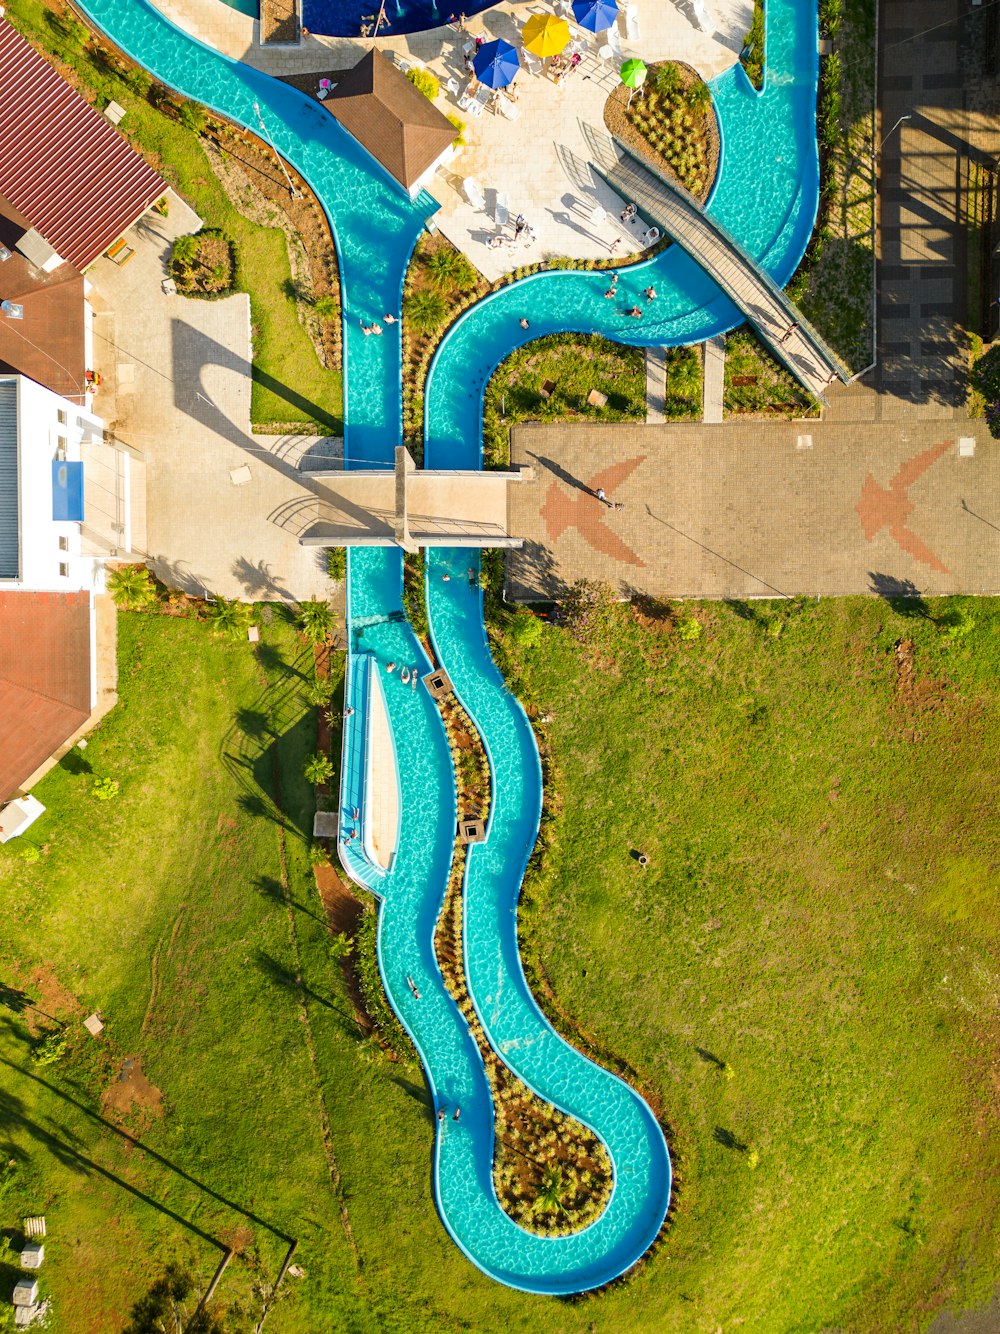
{"x": 538, "y": 161}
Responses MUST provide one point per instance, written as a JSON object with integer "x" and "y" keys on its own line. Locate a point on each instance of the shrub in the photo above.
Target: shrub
{"x": 525, "y": 629}
{"x": 230, "y": 616}
{"x": 204, "y": 264}
{"x": 185, "y": 251}
{"x": 424, "y": 82}
{"x": 131, "y": 587}
{"x": 699, "y": 98}
{"x": 315, "y": 620}
{"x": 325, "y": 307}
{"x": 336, "y": 563}
{"x": 319, "y": 693}
{"x": 50, "y": 1047}
{"x": 192, "y": 117}
{"x": 690, "y": 629}
{"x": 459, "y": 124}
{"x": 667, "y": 79}
{"x": 450, "y": 270}
{"x": 318, "y": 769}
{"x": 104, "y": 789}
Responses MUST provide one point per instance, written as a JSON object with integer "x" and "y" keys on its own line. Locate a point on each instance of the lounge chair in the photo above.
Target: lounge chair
{"x": 631, "y": 23}
{"x": 508, "y": 109}
{"x": 501, "y": 212}
{"x": 473, "y": 193}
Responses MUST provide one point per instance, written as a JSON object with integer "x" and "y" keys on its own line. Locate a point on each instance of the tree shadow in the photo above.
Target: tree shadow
{"x": 258, "y": 581}
{"x": 11, "y": 1106}
{"x": 741, "y": 609}
{"x": 15, "y": 1000}
{"x": 419, "y": 1093}
{"x": 902, "y": 595}
{"x": 255, "y": 724}
{"x": 274, "y": 892}
{"x": 284, "y": 977}
{"x": 710, "y": 1058}
{"x": 74, "y": 763}
{"x": 728, "y": 1140}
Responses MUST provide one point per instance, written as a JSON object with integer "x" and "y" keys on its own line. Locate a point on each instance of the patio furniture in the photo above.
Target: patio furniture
{"x": 473, "y": 193}
{"x": 546, "y": 388}
{"x": 652, "y": 236}
{"x": 509, "y": 110}
{"x": 452, "y": 86}
{"x": 480, "y": 99}
{"x": 531, "y": 63}
{"x": 598, "y": 215}
{"x": 169, "y": 287}
{"x": 702, "y": 17}
{"x": 604, "y": 53}
{"x": 501, "y": 213}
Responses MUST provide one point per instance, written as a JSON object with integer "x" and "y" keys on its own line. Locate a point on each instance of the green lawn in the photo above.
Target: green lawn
{"x": 575, "y": 364}
{"x": 289, "y": 383}
{"x": 819, "y": 914}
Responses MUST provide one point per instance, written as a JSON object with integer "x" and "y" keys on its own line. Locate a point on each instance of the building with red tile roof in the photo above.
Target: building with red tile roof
{"x": 62, "y": 164}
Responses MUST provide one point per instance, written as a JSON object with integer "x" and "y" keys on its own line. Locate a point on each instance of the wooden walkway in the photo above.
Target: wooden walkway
{"x": 780, "y": 325}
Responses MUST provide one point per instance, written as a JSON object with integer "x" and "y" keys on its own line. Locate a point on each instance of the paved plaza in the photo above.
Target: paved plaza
{"x": 224, "y": 507}
{"x": 758, "y": 509}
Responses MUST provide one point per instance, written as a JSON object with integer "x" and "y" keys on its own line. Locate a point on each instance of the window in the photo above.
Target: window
{"x": 61, "y": 446}
{"x": 64, "y": 569}
{"x": 64, "y": 544}
{"x": 61, "y": 414}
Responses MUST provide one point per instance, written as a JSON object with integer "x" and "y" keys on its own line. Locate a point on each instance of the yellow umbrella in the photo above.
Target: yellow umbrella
{"x": 545, "y": 35}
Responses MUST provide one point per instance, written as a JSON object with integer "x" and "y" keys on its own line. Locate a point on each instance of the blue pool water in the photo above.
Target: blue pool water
{"x": 768, "y": 201}
{"x": 343, "y": 18}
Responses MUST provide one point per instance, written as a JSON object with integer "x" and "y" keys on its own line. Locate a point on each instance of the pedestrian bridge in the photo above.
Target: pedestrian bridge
{"x": 411, "y": 507}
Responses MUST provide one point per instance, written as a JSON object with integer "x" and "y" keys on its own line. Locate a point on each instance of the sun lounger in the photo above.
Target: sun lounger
{"x": 482, "y": 96}
{"x": 632, "y": 23}
{"x": 501, "y": 213}
{"x": 508, "y": 109}
{"x": 473, "y": 193}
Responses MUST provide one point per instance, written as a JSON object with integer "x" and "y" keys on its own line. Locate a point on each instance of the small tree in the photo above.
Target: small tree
{"x": 666, "y": 79}
{"x": 192, "y": 117}
{"x": 230, "y": 616}
{"x": 105, "y": 789}
{"x": 185, "y": 251}
{"x": 450, "y": 270}
{"x": 526, "y": 629}
{"x": 336, "y": 563}
{"x": 315, "y": 620}
{"x": 317, "y": 769}
{"x": 325, "y": 307}
{"x": 698, "y": 98}
{"x": 131, "y": 587}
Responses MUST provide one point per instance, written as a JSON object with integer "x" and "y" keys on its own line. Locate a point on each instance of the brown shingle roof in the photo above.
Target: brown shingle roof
{"x": 61, "y": 163}
{"x": 44, "y": 679}
{"x": 376, "y": 102}
{"x": 48, "y": 343}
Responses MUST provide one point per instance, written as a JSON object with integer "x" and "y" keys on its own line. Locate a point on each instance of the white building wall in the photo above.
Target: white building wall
{"x": 50, "y": 427}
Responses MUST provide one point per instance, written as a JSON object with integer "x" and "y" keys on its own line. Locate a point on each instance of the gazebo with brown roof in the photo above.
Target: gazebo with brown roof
{"x": 390, "y": 118}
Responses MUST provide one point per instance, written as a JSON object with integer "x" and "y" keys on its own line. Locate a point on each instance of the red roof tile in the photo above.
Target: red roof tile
{"x": 62, "y": 164}
{"x": 44, "y": 679}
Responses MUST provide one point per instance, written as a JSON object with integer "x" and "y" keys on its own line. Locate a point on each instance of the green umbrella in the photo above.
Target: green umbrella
{"x": 633, "y": 76}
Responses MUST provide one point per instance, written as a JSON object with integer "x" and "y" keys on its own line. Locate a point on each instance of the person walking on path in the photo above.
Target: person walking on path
{"x": 602, "y": 496}
{"x": 789, "y": 331}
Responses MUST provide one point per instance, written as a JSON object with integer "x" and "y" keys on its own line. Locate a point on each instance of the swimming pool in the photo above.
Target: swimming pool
{"x": 343, "y": 18}
{"x": 770, "y": 207}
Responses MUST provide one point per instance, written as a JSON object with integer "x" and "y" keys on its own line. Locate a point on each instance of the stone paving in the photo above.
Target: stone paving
{"x": 224, "y": 507}
{"x": 758, "y": 509}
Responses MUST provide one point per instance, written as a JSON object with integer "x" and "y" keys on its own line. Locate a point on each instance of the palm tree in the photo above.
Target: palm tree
{"x": 315, "y": 621}
{"x": 698, "y": 98}
{"x": 317, "y": 769}
{"x": 230, "y": 616}
{"x": 131, "y": 587}
{"x": 549, "y": 1197}
{"x": 450, "y": 270}
{"x": 186, "y": 250}
{"x": 666, "y": 79}
{"x": 325, "y": 307}
{"x": 426, "y": 311}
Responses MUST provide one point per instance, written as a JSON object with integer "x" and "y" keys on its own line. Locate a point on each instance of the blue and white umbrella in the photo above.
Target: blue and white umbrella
{"x": 496, "y": 64}
{"x": 595, "y": 15}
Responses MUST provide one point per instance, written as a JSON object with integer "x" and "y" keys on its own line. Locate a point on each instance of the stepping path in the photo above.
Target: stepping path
{"x": 713, "y": 388}
{"x": 656, "y": 385}
{"x": 720, "y": 255}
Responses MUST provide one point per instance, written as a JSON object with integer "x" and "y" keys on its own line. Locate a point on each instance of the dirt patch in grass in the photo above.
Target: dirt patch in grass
{"x": 132, "y": 1092}
{"x": 681, "y": 142}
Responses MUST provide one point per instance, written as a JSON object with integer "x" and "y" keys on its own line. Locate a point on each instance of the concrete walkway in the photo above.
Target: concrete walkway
{"x": 758, "y": 509}
{"x": 714, "y": 388}
{"x": 656, "y": 385}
